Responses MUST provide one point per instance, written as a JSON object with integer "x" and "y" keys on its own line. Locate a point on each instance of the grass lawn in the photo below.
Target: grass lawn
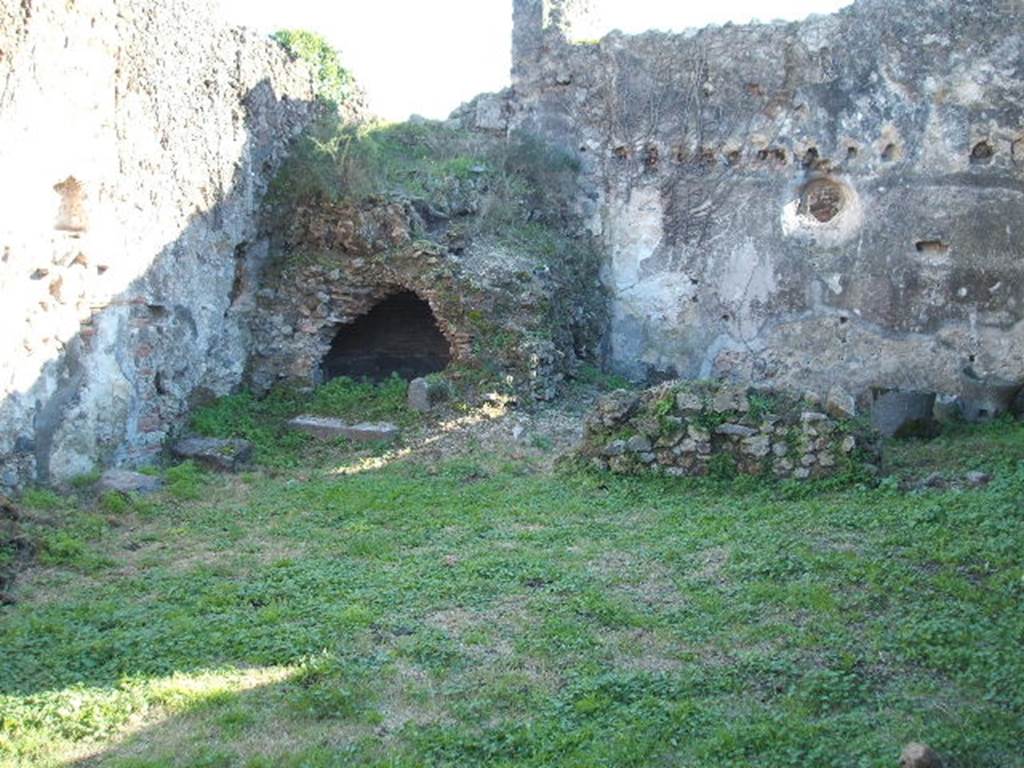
{"x": 480, "y": 608}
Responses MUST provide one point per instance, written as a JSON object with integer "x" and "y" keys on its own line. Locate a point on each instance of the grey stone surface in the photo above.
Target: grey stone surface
{"x": 812, "y": 417}
{"x": 424, "y": 394}
{"x": 638, "y": 444}
{"x": 126, "y": 481}
{"x": 757, "y": 446}
{"x": 367, "y": 251}
{"x": 977, "y": 479}
{"x": 615, "y": 448}
{"x": 896, "y": 413}
{"x": 793, "y": 204}
{"x": 983, "y": 398}
{"x": 326, "y": 428}
{"x": 224, "y": 455}
{"x": 735, "y": 430}
{"x": 756, "y": 442}
{"x": 918, "y": 755}
{"x": 948, "y": 409}
{"x": 840, "y": 404}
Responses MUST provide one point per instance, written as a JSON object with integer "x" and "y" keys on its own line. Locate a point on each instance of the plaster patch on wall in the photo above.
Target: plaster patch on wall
{"x": 745, "y": 281}
{"x": 635, "y": 230}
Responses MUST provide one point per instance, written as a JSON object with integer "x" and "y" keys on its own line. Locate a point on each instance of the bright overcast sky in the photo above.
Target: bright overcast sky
{"x": 427, "y": 57}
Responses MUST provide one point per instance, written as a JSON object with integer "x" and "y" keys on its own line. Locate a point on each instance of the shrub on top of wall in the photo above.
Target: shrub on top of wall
{"x": 334, "y": 84}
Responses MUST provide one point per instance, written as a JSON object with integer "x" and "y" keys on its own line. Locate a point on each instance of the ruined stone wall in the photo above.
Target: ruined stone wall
{"x": 839, "y": 200}
{"x": 693, "y": 429}
{"x": 136, "y": 141}
{"x": 524, "y": 322}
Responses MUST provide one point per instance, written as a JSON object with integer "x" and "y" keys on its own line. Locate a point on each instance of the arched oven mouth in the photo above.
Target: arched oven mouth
{"x": 399, "y": 335}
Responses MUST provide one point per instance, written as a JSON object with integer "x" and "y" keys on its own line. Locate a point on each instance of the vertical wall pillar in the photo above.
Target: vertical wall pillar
{"x": 527, "y": 36}
{"x": 535, "y": 22}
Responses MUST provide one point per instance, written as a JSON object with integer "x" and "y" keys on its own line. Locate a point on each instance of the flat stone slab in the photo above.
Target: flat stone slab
{"x": 215, "y": 453}
{"x": 735, "y": 430}
{"x": 126, "y": 481}
{"x": 326, "y": 428}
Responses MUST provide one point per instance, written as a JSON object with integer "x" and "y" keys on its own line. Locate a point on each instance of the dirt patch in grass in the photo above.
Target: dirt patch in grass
{"x": 484, "y": 634}
{"x": 643, "y": 650}
{"x": 642, "y": 581}
{"x": 709, "y": 563}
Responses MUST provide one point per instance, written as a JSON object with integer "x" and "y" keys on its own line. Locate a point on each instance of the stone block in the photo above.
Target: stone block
{"x": 638, "y": 444}
{"x": 735, "y": 430}
{"x": 616, "y": 407}
{"x": 425, "y": 394}
{"x": 757, "y": 446}
{"x": 126, "y": 481}
{"x": 490, "y": 113}
{"x": 214, "y": 453}
{"x": 917, "y": 755}
{"x": 986, "y": 397}
{"x": 904, "y": 413}
{"x": 840, "y": 404}
{"x": 977, "y": 479}
{"x": 688, "y": 402}
{"x": 698, "y": 433}
{"x": 615, "y": 448}
{"x": 730, "y": 398}
{"x": 812, "y": 417}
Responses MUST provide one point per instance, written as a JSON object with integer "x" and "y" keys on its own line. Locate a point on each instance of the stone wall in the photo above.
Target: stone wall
{"x": 684, "y": 429}
{"x": 136, "y": 141}
{"x": 839, "y": 200}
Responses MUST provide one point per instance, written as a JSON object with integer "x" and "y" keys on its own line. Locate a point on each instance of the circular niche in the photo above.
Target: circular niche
{"x": 822, "y": 200}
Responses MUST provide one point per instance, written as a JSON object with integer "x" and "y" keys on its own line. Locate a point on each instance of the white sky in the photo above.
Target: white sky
{"x": 428, "y": 56}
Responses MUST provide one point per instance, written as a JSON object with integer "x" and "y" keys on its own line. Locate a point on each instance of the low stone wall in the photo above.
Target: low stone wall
{"x": 700, "y": 428}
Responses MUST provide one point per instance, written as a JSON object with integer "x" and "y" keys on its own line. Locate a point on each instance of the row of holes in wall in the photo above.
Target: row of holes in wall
{"x": 981, "y": 154}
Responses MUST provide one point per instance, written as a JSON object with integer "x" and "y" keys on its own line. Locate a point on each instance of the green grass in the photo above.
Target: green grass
{"x": 479, "y": 612}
